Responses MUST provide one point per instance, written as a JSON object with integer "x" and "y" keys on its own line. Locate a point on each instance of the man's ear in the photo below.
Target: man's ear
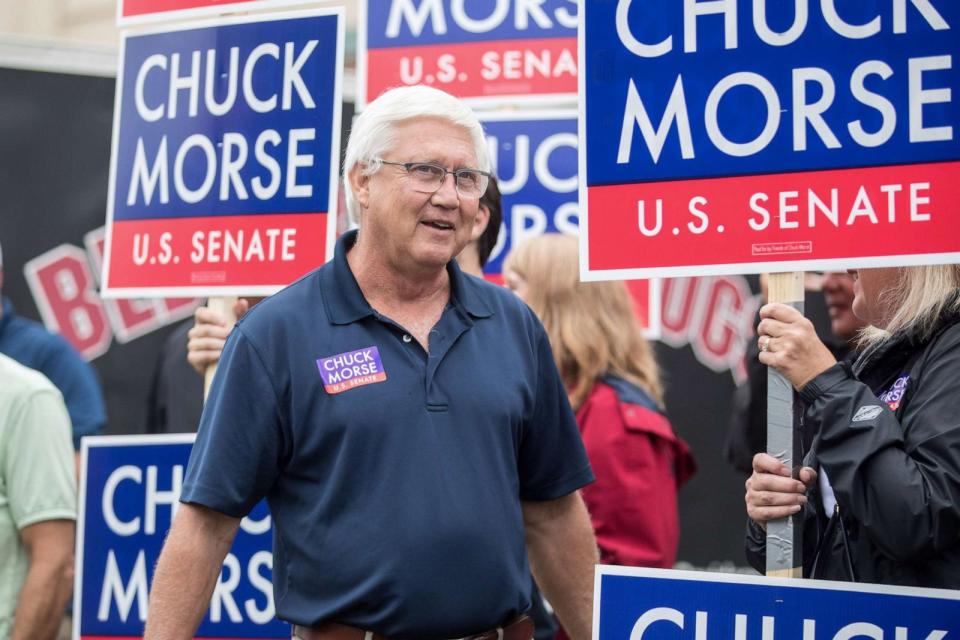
{"x": 360, "y": 185}
{"x": 480, "y": 223}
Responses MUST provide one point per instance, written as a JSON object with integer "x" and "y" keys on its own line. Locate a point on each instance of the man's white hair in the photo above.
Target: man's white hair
{"x": 372, "y": 134}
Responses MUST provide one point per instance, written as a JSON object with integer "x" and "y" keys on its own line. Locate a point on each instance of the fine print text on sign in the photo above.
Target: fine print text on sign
{"x": 737, "y": 137}
{"x": 225, "y": 156}
{"x": 130, "y": 491}
{"x": 485, "y": 51}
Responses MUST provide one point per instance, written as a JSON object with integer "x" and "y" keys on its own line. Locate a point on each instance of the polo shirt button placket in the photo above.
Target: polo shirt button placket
{"x": 407, "y": 338}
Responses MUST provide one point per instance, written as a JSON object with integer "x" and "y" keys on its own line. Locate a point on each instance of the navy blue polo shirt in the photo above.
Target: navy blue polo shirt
{"x": 30, "y": 344}
{"x": 394, "y": 476}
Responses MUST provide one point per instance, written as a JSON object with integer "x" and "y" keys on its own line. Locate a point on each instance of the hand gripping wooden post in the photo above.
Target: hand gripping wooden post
{"x": 224, "y": 306}
{"x": 784, "y": 536}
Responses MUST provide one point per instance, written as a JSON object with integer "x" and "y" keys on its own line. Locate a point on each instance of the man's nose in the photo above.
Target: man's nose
{"x": 447, "y": 195}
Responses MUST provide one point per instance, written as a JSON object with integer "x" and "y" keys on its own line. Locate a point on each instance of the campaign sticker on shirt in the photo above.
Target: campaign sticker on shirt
{"x": 352, "y": 369}
{"x": 894, "y": 394}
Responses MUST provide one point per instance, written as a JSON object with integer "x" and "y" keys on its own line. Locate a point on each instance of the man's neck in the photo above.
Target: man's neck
{"x": 384, "y": 285}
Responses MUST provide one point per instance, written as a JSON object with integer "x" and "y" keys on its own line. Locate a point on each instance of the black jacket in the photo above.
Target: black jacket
{"x": 894, "y": 468}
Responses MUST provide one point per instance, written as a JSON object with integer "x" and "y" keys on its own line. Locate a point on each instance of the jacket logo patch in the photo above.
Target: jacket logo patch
{"x": 352, "y": 369}
{"x": 867, "y": 412}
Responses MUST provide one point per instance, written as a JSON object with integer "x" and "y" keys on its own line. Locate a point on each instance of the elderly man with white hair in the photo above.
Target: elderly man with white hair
{"x": 405, "y": 422}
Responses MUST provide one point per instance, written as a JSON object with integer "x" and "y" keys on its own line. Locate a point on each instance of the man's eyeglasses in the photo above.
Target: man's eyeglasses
{"x": 427, "y": 177}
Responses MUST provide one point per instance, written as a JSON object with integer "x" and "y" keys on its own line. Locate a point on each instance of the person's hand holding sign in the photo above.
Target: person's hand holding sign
{"x": 209, "y": 334}
{"x": 789, "y": 343}
{"x": 772, "y": 493}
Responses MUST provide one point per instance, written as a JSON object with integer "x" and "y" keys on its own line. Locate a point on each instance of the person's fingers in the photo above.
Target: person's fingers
{"x": 208, "y": 331}
{"x": 769, "y": 483}
{"x": 766, "y": 463}
{"x": 200, "y": 359}
{"x": 780, "y": 311}
{"x": 762, "y": 515}
{"x": 808, "y": 476}
{"x": 205, "y": 344}
{"x": 774, "y": 498}
{"x": 206, "y": 315}
{"x": 240, "y": 307}
{"x": 772, "y": 328}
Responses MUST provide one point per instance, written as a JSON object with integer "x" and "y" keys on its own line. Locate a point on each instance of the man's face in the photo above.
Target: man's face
{"x": 411, "y": 229}
{"x": 838, "y": 293}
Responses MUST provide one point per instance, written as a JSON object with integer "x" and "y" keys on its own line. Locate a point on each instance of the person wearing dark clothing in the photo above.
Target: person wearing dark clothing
{"x": 30, "y": 344}
{"x": 176, "y": 394}
{"x": 881, "y": 486}
{"x": 747, "y": 428}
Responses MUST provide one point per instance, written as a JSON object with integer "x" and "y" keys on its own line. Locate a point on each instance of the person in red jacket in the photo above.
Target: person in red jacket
{"x": 613, "y": 385}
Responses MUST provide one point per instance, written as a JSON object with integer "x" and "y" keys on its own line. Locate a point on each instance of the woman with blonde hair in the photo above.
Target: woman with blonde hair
{"x": 614, "y": 387}
{"x": 881, "y": 484}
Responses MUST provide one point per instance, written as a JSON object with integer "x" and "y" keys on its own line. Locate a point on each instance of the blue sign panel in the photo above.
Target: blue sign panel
{"x": 130, "y": 489}
{"x": 735, "y": 136}
{"x": 534, "y": 155}
{"x": 225, "y": 154}
{"x": 657, "y": 604}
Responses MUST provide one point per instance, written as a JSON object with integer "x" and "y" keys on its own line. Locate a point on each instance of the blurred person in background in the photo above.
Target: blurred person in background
{"x": 613, "y": 384}
{"x": 38, "y": 505}
{"x": 880, "y": 488}
{"x": 30, "y": 344}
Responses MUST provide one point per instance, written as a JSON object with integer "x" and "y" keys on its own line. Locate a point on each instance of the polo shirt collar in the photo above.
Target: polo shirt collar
{"x": 345, "y": 302}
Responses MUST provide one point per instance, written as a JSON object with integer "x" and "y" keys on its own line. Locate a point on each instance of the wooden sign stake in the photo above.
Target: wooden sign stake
{"x": 784, "y": 536}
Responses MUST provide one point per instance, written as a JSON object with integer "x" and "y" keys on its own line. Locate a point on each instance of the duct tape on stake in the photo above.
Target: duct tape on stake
{"x": 784, "y": 536}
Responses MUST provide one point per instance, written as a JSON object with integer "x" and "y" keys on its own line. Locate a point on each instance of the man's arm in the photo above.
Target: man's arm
{"x": 49, "y": 582}
{"x": 187, "y": 571}
{"x": 563, "y": 553}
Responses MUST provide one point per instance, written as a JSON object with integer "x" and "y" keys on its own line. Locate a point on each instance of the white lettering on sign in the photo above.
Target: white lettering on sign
{"x": 813, "y": 91}
{"x": 415, "y": 15}
{"x": 661, "y": 618}
{"x": 152, "y": 498}
{"x": 124, "y": 595}
{"x": 182, "y": 77}
{"x": 149, "y": 176}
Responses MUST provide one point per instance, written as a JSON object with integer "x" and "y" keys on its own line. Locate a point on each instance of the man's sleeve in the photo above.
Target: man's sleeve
{"x": 240, "y": 444}
{"x": 38, "y": 462}
{"x": 78, "y": 383}
{"x": 553, "y": 461}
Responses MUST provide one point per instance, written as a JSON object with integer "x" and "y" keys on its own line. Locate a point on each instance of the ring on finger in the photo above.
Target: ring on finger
{"x": 765, "y": 345}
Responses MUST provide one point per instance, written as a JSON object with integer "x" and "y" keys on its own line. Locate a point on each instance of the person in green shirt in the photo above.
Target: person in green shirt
{"x": 38, "y": 504}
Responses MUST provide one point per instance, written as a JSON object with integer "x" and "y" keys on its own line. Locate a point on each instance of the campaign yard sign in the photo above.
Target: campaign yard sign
{"x": 741, "y": 137}
{"x": 129, "y": 492}
{"x": 659, "y": 604}
{"x": 225, "y": 155}
{"x": 130, "y": 12}
{"x": 534, "y": 155}
{"x": 486, "y": 51}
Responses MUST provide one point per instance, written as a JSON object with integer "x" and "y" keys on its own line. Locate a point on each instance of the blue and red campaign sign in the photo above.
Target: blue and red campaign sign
{"x": 139, "y": 11}
{"x": 129, "y": 492}
{"x": 740, "y": 137}
{"x": 534, "y": 155}
{"x": 224, "y": 168}
{"x": 648, "y": 604}
{"x": 485, "y": 51}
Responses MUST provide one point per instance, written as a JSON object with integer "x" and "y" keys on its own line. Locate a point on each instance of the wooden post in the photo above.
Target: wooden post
{"x": 784, "y": 541}
{"x": 224, "y": 306}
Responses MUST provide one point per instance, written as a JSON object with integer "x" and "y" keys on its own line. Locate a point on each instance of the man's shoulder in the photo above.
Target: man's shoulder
{"x": 497, "y": 298}
{"x": 17, "y": 380}
{"x": 37, "y": 344}
{"x": 285, "y": 306}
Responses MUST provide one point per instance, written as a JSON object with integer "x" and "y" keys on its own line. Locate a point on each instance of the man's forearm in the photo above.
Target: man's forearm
{"x": 563, "y": 554}
{"x": 43, "y": 599}
{"x": 187, "y": 571}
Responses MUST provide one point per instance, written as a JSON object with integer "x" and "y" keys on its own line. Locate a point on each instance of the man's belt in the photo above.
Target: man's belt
{"x": 520, "y": 629}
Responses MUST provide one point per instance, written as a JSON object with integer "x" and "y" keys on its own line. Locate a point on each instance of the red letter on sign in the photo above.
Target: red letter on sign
{"x": 63, "y": 288}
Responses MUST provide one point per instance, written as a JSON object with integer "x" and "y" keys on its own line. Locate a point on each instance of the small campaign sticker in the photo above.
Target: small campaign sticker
{"x": 352, "y": 369}
{"x": 894, "y": 394}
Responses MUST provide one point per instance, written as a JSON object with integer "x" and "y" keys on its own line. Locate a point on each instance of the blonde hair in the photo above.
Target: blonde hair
{"x": 592, "y": 326}
{"x": 919, "y": 297}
